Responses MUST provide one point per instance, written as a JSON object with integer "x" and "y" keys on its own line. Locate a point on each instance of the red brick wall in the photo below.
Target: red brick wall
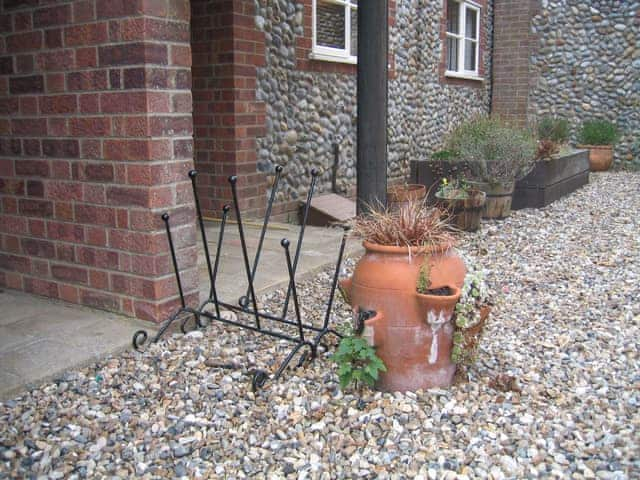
{"x": 513, "y": 45}
{"x": 95, "y": 142}
{"x": 227, "y": 50}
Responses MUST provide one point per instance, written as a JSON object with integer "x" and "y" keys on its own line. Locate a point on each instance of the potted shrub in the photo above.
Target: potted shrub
{"x": 598, "y": 136}
{"x": 498, "y": 154}
{"x": 403, "y": 293}
{"x": 553, "y": 134}
{"x": 463, "y": 203}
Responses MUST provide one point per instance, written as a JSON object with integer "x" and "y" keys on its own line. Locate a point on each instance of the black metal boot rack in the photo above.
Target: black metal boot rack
{"x": 308, "y": 335}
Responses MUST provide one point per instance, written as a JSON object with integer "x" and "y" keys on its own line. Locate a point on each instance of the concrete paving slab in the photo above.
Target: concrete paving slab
{"x": 9, "y": 381}
{"x": 11, "y": 339}
{"x": 54, "y": 338}
{"x": 320, "y": 247}
{"x": 13, "y": 309}
{"x": 42, "y": 338}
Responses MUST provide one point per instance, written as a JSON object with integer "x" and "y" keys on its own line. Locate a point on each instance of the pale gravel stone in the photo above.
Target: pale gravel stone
{"x": 566, "y": 323}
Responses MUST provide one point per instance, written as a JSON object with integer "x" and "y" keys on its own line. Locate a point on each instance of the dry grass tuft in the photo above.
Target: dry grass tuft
{"x": 412, "y": 225}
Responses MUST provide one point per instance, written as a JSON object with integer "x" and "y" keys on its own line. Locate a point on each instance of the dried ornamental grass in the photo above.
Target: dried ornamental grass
{"x": 411, "y": 225}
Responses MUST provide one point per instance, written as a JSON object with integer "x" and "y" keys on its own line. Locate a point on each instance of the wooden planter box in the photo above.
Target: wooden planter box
{"x": 551, "y": 180}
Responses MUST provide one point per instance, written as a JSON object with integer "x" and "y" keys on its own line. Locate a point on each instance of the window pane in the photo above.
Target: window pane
{"x": 470, "y": 29}
{"x": 470, "y": 55}
{"x": 452, "y": 54}
{"x": 330, "y": 26}
{"x": 453, "y": 17}
{"x": 354, "y": 32}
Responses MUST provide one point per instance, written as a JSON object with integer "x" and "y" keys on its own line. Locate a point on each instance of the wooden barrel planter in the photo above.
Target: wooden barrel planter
{"x": 399, "y": 195}
{"x": 465, "y": 212}
{"x": 431, "y": 172}
{"x": 499, "y": 196}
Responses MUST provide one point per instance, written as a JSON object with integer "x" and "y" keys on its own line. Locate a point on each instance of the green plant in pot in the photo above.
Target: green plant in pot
{"x": 403, "y": 292}
{"x": 598, "y": 136}
{"x": 463, "y": 203}
{"x": 553, "y": 135}
{"x": 498, "y": 154}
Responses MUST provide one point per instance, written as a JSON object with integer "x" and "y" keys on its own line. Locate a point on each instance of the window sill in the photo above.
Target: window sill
{"x": 333, "y": 58}
{"x": 464, "y": 76}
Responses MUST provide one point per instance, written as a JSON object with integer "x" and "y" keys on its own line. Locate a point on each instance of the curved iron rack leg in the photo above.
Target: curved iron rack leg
{"x": 140, "y": 337}
{"x": 247, "y": 304}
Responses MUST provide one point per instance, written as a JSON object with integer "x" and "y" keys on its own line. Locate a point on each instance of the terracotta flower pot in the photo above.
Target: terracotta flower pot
{"x": 398, "y": 195}
{"x": 465, "y": 212}
{"x": 499, "y": 196}
{"x": 600, "y": 157}
{"x": 412, "y": 333}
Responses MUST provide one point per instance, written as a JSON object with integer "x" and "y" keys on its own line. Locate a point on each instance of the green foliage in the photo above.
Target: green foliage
{"x": 467, "y": 315}
{"x": 598, "y": 132}
{"x": 495, "y": 151}
{"x": 457, "y": 352}
{"x": 553, "y": 129}
{"x": 424, "y": 282}
{"x": 357, "y": 362}
{"x": 443, "y": 155}
{"x": 455, "y": 189}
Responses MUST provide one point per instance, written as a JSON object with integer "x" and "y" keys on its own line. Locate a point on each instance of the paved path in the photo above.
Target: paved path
{"x": 320, "y": 247}
{"x": 41, "y": 338}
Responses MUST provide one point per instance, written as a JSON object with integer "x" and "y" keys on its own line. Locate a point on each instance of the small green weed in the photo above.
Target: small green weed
{"x": 357, "y": 362}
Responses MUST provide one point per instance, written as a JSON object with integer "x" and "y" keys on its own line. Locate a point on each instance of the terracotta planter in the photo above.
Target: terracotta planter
{"x": 399, "y": 195}
{"x": 499, "y": 196}
{"x": 465, "y": 212}
{"x": 412, "y": 333}
{"x": 600, "y": 157}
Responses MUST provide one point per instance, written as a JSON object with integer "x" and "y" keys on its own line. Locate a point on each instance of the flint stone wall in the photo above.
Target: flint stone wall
{"x": 587, "y": 66}
{"x": 308, "y": 111}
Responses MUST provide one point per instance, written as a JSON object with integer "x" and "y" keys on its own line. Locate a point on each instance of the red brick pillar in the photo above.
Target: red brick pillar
{"x": 95, "y": 143}
{"x": 227, "y": 51}
{"x": 513, "y": 44}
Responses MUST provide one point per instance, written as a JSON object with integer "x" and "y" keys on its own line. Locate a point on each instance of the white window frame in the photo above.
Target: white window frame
{"x": 320, "y": 52}
{"x": 463, "y": 6}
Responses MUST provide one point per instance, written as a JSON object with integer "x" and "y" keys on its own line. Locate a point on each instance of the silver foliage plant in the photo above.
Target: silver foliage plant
{"x": 494, "y": 150}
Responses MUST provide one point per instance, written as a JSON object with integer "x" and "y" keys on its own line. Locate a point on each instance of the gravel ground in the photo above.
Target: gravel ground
{"x": 565, "y": 326}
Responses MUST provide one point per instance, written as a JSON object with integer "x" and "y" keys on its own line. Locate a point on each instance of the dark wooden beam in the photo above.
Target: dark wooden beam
{"x": 373, "y": 33}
